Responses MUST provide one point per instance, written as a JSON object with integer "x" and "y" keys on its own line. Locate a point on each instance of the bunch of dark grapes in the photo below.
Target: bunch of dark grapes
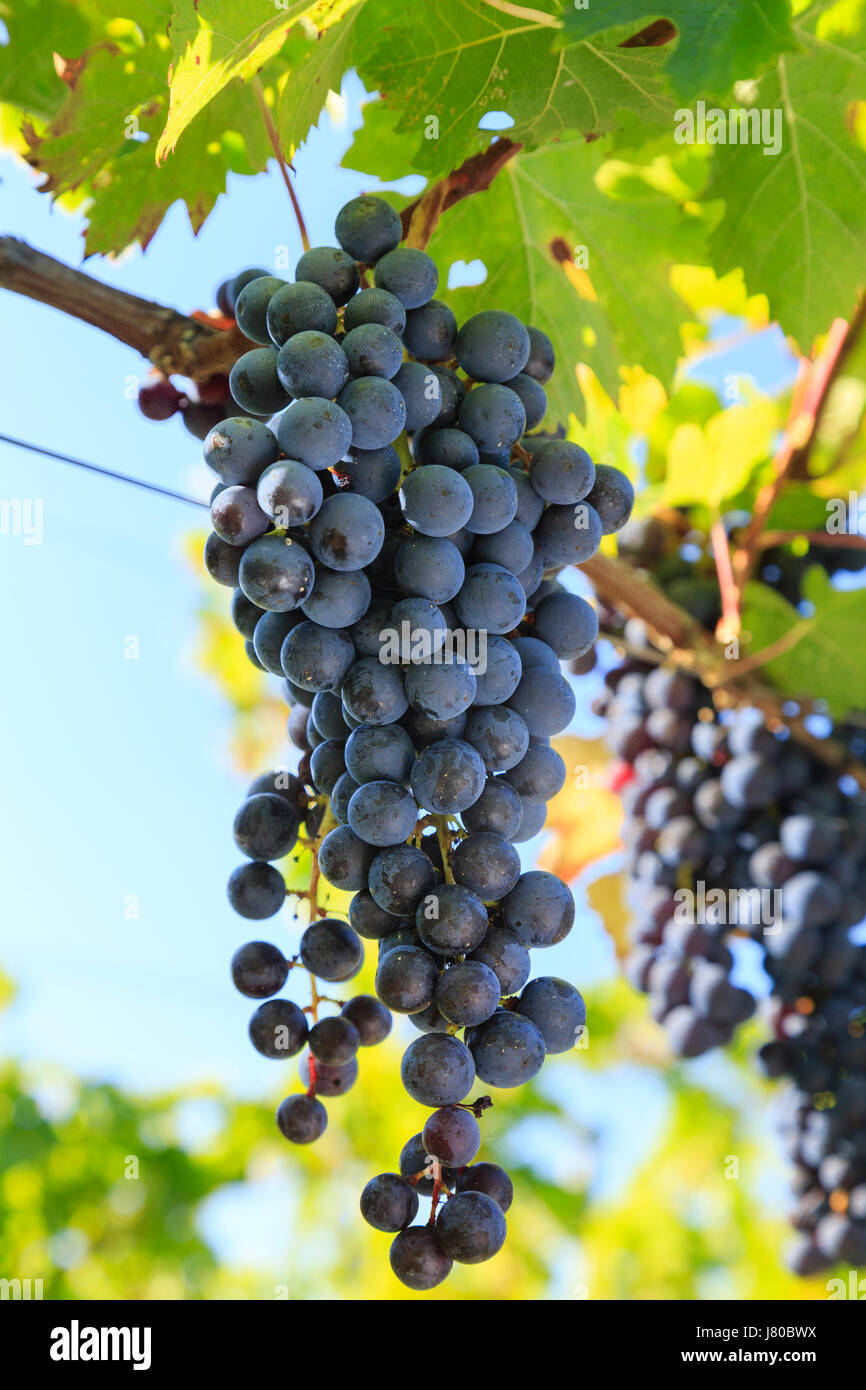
{"x": 277, "y": 808}
{"x": 393, "y": 539}
{"x": 734, "y": 829}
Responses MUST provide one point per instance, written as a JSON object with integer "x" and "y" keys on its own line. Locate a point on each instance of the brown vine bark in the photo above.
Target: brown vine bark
{"x": 474, "y": 175}
{"x": 172, "y": 341}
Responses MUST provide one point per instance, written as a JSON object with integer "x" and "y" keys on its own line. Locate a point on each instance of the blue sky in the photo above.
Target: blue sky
{"x": 117, "y": 774}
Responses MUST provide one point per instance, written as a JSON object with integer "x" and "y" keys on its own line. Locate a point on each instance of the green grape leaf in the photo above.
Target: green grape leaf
{"x": 823, "y": 655}
{"x": 449, "y": 62}
{"x": 719, "y": 41}
{"x": 318, "y": 68}
{"x": 796, "y": 221}
{"x": 100, "y": 141}
{"x": 712, "y": 464}
{"x": 525, "y": 229}
{"x": 378, "y": 147}
{"x": 214, "y": 41}
{"x": 34, "y": 29}
{"x": 797, "y": 508}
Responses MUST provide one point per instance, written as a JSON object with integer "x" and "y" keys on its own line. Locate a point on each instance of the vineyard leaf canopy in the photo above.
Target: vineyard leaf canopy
{"x": 825, "y": 658}
{"x": 215, "y": 41}
{"x": 796, "y": 222}
{"x": 457, "y": 60}
{"x": 526, "y": 227}
{"x": 719, "y": 41}
{"x": 106, "y": 115}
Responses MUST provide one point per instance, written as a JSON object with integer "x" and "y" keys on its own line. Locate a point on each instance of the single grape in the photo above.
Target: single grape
{"x": 437, "y": 1069}
{"x": 494, "y": 497}
{"x": 409, "y": 274}
{"x": 529, "y": 504}
{"x": 372, "y": 1020}
{"x": 451, "y": 920}
{"x": 471, "y": 1227}
{"x": 498, "y": 808}
{"x": 406, "y": 979}
{"x": 440, "y": 690}
{"x": 347, "y": 532}
{"x": 400, "y": 877}
{"x": 367, "y": 228}
{"x": 508, "y": 1050}
{"x": 256, "y": 890}
{"x": 568, "y": 535}
{"x": 511, "y": 547}
{"x": 251, "y": 307}
{"x": 334, "y": 1041}
{"x": 487, "y": 864}
{"x": 367, "y": 918}
{"x": 331, "y": 950}
{"x": 562, "y": 472}
{"x": 539, "y": 909}
{"x": 278, "y": 1028}
{"x": 345, "y": 859}
{"x": 430, "y": 331}
{"x": 448, "y": 777}
{"x": 490, "y": 599}
{"x": 371, "y": 349}
{"x": 422, "y": 394}
{"x": 330, "y": 1081}
{"x": 312, "y": 364}
{"x": 389, "y": 1203}
{"x": 300, "y": 308}
{"x": 542, "y": 358}
{"x": 374, "y": 473}
{"x": 540, "y": 774}
{"x": 327, "y": 763}
{"x": 259, "y": 969}
{"x": 488, "y": 1178}
{"x": 223, "y": 561}
{"x": 557, "y": 1010}
{"x": 330, "y": 268}
{"x": 545, "y": 700}
{"x": 276, "y": 573}
{"x": 612, "y": 496}
{"x": 499, "y": 735}
{"x": 452, "y": 1135}
{"x": 533, "y": 396}
{"x": 317, "y": 657}
{"x": 245, "y": 614}
{"x": 430, "y": 567}
{"x": 492, "y": 346}
{"x": 436, "y": 500}
{"x": 302, "y": 1119}
{"x": 506, "y": 955}
{"x": 380, "y": 752}
{"x": 467, "y": 994}
{"x": 493, "y": 416}
{"x": 375, "y": 306}
{"x": 533, "y": 816}
{"x": 315, "y": 431}
{"x": 418, "y": 1259}
{"x": 290, "y": 493}
{"x": 567, "y": 623}
{"x": 265, "y": 827}
{"x": 382, "y": 813}
{"x": 254, "y": 382}
{"x": 373, "y": 693}
{"x": 376, "y": 411}
{"x": 339, "y": 598}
